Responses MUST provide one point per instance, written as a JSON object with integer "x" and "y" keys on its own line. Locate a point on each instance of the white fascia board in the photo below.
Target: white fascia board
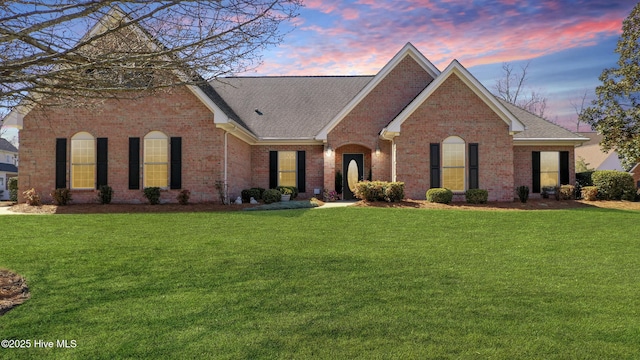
{"x": 463, "y": 74}
{"x": 407, "y": 50}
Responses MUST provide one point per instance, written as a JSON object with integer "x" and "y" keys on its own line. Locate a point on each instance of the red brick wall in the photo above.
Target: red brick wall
{"x": 364, "y": 123}
{"x": 238, "y": 166}
{"x": 314, "y": 156}
{"x": 176, "y": 113}
{"x": 522, "y": 159}
{"x": 455, "y": 110}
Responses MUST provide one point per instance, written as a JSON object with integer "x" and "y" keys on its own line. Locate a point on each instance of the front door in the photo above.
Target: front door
{"x": 353, "y": 170}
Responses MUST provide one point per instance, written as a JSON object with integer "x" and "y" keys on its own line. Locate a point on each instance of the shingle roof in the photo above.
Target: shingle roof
{"x": 289, "y": 106}
{"x": 537, "y": 127}
{"x": 298, "y": 107}
{"x": 7, "y": 146}
{"x": 8, "y": 168}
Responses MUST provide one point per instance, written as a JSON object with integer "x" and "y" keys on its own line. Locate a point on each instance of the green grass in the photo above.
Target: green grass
{"x": 339, "y": 283}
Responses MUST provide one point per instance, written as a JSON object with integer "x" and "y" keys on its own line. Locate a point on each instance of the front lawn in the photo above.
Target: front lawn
{"x": 334, "y": 284}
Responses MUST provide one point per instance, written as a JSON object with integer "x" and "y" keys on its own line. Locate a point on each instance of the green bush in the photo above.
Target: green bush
{"x": 614, "y": 185}
{"x": 589, "y": 193}
{"x": 105, "y": 193}
{"x": 61, "y": 196}
{"x": 271, "y": 196}
{"x": 523, "y": 193}
{"x": 152, "y": 194}
{"x": 247, "y": 194}
{"x": 12, "y": 183}
{"x": 476, "y": 196}
{"x": 439, "y": 195}
{"x": 32, "y": 197}
{"x": 294, "y": 190}
{"x": 379, "y": 191}
{"x": 567, "y": 192}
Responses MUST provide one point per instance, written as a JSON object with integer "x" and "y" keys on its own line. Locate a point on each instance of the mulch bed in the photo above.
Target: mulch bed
{"x": 532, "y": 204}
{"x": 13, "y": 290}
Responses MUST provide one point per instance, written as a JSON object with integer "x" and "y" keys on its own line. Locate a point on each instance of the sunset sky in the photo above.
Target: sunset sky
{"x": 568, "y": 43}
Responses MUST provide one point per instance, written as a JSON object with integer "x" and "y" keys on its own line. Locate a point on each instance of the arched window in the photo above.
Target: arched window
{"x": 83, "y": 161}
{"x": 453, "y": 163}
{"x": 156, "y": 160}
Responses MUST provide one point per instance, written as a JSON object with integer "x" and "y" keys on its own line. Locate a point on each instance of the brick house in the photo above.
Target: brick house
{"x": 410, "y": 122}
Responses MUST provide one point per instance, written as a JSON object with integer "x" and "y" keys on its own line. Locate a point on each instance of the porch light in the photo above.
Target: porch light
{"x": 329, "y": 151}
{"x": 377, "y": 149}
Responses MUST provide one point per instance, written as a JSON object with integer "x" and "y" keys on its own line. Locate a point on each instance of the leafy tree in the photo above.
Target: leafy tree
{"x": 60, "y": 50}
{"x": 615, "y": 113}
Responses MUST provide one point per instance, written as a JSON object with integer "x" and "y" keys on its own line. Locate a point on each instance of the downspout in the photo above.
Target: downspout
{"x": 393, "y": 159}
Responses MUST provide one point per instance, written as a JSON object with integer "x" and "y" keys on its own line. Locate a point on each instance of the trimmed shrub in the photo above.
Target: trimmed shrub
{"x": 271, "y": 196}
{"x": 523, "y": 193}
{"x": 294, "y": 190}
{"x": 183, "y": 197}
{"x": 105, "y": 193}
{"x": 12, "y": 184}
{"x": 439, "y": 195}
{"x": 247, "y": 194}
{"x": 32, "y": 197}
{"x": 614, "y": 185}
{"x": 394, "y": 191}
{"x": 476, "y": 196}
{"x": 152, "y": 194}
{"x": 567, "y": 192}
{"x": 61, "y": 196}
{"x": 379, "y": 191}
{"x": 589, "y": 193}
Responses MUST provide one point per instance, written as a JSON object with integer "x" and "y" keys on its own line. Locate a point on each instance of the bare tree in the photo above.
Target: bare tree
{"x": 578, "y": 106}
{"x": 62, "y": 49}
{"x": 512, "y": 87}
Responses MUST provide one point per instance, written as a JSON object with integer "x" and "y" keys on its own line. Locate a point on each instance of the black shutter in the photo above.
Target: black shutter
{"x": 134, "y": 163}
{"x": 434, "y": 152}
{"x": 176, "y": 163}
{"x": 302, "y": 168}
{"x": 273, "y": 169}
{"x": 102, "y": 162}
{"x": 473, "y": 167}
{"x": 564, "y": 167}
{"x": 61, "y": 163}
{"x": 535, "y": 171}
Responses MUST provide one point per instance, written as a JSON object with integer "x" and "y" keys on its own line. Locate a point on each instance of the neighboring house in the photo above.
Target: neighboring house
{"x": 593, "y": 155}
{"x": 410, "y": 122}
{"x": 8, "y": 166}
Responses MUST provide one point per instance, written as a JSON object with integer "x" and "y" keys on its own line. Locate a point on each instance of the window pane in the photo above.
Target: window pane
{"x": 82, "y": 152}
{"x": 287, "y": 160}
{"x": 453, "y": 155}
{"x": 82, "y": 176}
{"x": 453, "y": 179}
{"x": 155, "y": 150}
{"x": 287, "y": 179}
{"x": 549, "y": 161}
{"x": 156, "y": 175}
{"x": 287, "y": 168}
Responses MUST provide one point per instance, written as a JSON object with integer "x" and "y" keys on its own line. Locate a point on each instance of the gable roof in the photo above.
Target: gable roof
{"x": 8, "y": 168}
{"x": 455, "y": 68}
{"x": 539, "y": 129}
{"x": 288, "y": 107}
{"x": 407, "y": 50}
{"x": 7, "y": 146}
